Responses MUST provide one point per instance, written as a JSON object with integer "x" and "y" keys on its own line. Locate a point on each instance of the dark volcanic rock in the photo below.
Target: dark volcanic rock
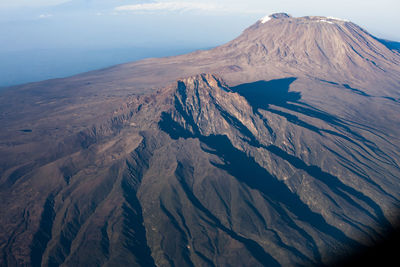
{"x": 292, "y": 160}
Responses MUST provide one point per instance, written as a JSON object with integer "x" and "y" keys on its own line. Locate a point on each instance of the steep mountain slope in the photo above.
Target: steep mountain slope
{"x": 288, "y": 155}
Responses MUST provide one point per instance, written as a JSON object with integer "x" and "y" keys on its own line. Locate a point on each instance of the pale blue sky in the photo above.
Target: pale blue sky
{"x": 28, "y": 24}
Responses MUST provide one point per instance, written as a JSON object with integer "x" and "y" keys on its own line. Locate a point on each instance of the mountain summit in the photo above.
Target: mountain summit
{"x": 280, "y": 147}
{"x": 317, "y": 46}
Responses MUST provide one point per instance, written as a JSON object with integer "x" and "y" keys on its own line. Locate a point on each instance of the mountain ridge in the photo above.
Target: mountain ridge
{"x": 232, "y": 156}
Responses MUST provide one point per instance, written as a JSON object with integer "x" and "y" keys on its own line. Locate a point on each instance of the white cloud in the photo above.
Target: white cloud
{"x": 225, "y": 7}
{"x": 44, "y": 16}
{"x": 170, "y": 6}
{"x": 345, "y": 20}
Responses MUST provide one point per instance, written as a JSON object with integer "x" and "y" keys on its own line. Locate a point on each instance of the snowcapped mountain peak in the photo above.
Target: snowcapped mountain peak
{"x": 265, "y": 19}
{"x": 338, "y": 19}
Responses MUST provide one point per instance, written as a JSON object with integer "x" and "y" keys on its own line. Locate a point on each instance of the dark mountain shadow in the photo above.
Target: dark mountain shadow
{"x": 392, "y": 45}
{"x": 268, "y": 95}
{"x": 358, "y": 91}
{"x": 252, "y": 246}
{"x": 238, "y": 164}
{"x": 43, "y": 235}
{"x": 263, "y": 94}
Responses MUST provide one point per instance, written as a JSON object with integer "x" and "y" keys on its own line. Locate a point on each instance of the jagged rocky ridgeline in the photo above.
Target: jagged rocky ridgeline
{"x": 286, "y": 153}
